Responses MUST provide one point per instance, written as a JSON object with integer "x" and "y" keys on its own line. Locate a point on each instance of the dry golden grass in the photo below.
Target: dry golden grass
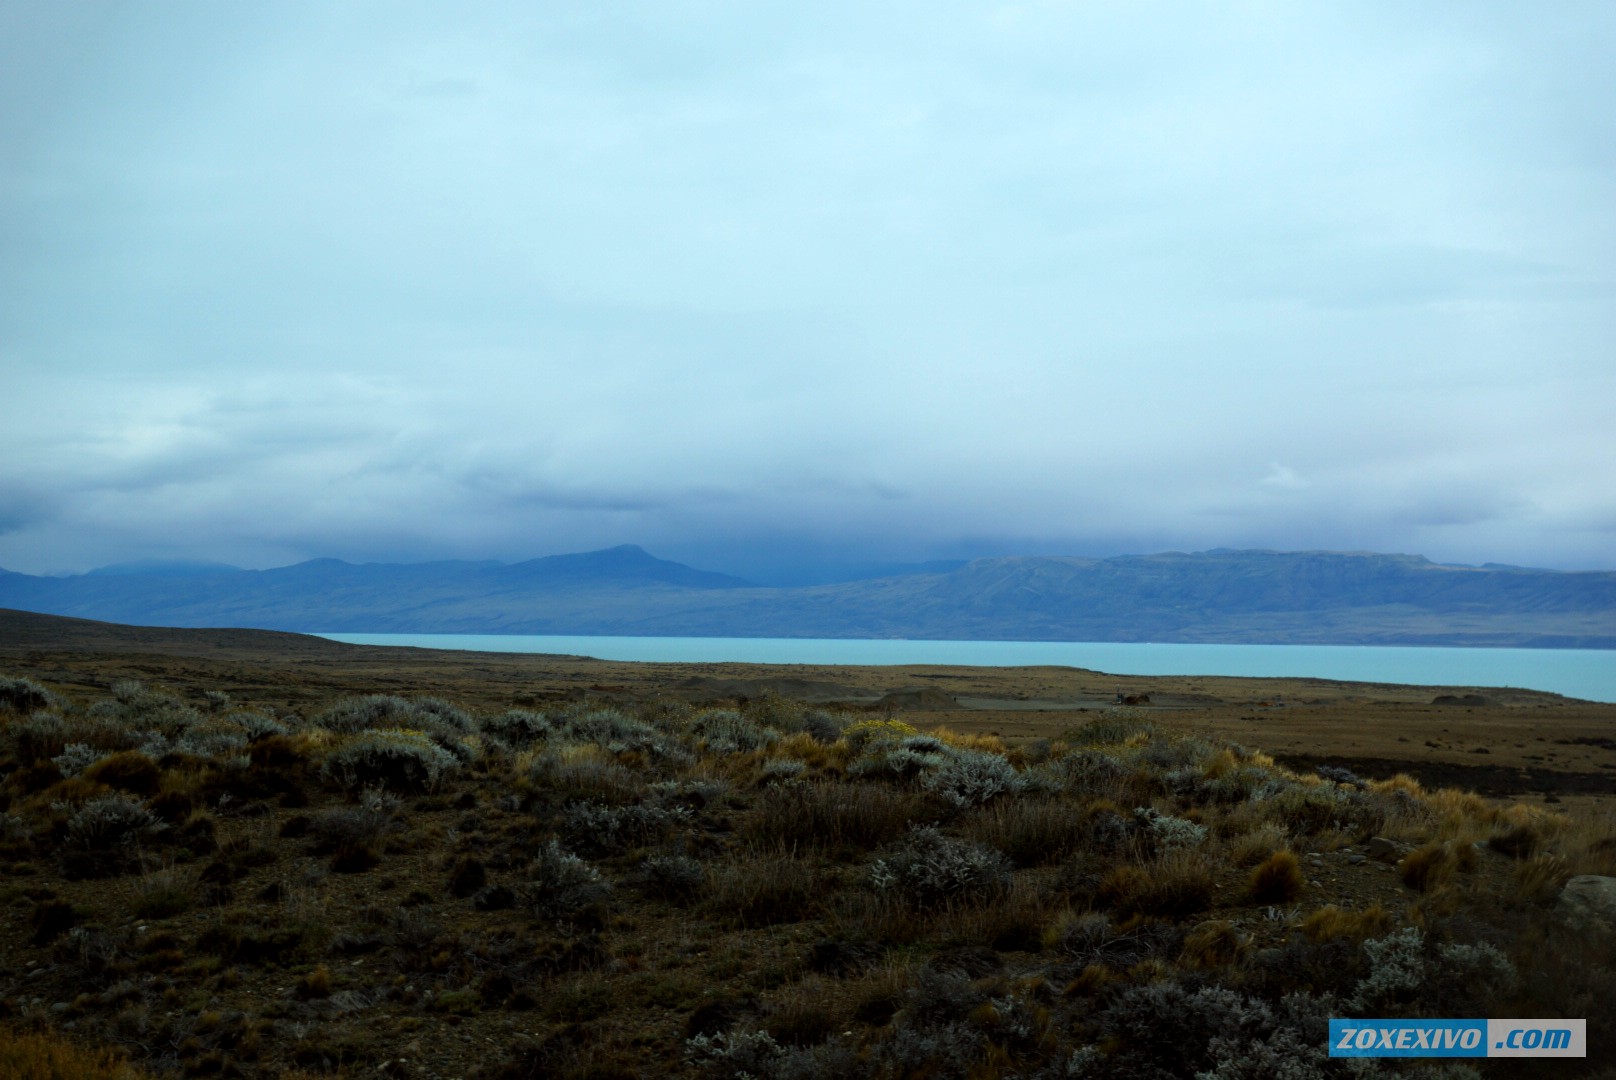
{"x": 1331, "y": 923}
{"x": 1013, "y": 921}
{"x": 1256, "y": 844}
{"x": 1425, "y": 868}
{"x": 1176, "y": 886}
{"x": 1539, "y": 880}
{"x": 1277, "y": 880}
{"x": 1213, "y": 944}
{"x": 44, "y": 1056}
{"x": 990, "y": 744}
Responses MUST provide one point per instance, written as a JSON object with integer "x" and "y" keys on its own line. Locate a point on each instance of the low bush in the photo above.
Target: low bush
{"x": 107, "y": 836}
{"x": 1170, "y": 1027}
{"x": 516, "y": 728}
{"x": 1164, "y": 832}
{"x": 972, "y": 777}
{"x": 384, "y": 711}
{"x": 1309, "y": 809}
{"x": 616, "y": 732}
{"x": 1093, "y": 773}
{"x": 16, "y": 838}
{"x": 677, "y": 879}
{"x": 578, "y": 772}
{"x": 902, "y": 758}
{"x": 75, "y": 758}
{"x": 1412, "y": 975}
{"x": 24, "y": 696}
{"x": 865, "y": 732}
{"x": 213, "y": 739}
{"x": 598, "y": 829}
{"x": 1110, "y": 728}
{"x": 37, "y": 737}
{"x": 564, "y": 888}
{"x": 393, "y": 758}
{"x": 778, "y": 770}
{"x": 735, "y": 1055}
{"x": 822, "y": 725}
{"x": 353, "y": 835}
{"x": 724, "y": 731}
{"x": 929, "y": 869}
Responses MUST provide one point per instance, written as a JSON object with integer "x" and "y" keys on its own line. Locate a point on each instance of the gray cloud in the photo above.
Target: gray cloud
{"x": 857, "y": 284}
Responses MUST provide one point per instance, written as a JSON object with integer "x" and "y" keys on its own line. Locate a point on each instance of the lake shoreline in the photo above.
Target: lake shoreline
{"x": 1587, "y": 674}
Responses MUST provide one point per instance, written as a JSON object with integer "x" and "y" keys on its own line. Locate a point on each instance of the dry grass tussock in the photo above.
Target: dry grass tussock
{"x": 369, "y": 885}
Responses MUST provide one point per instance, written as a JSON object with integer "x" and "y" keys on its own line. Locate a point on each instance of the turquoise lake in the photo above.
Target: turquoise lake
{"x": 1582, "y": 673}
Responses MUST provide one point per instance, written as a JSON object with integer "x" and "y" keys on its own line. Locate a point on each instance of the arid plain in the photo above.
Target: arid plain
{"x": 1497, "y": 742}
{"x": 261, "y": 855}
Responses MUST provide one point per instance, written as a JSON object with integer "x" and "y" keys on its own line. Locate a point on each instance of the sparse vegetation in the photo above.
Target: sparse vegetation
{"x": 769, "y": 890}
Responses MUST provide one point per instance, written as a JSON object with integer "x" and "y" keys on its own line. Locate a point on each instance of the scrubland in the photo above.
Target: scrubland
{"x": 397, "y": 885}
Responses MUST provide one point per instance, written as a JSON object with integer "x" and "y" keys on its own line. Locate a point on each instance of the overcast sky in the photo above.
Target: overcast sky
{"x": 777, "y": 288}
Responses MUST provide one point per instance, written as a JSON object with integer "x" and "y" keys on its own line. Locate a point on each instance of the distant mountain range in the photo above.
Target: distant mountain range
{"x": 1214, "y": 596}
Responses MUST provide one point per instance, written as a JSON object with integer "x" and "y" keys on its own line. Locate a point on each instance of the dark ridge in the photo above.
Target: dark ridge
{"x": 30, "y": 630}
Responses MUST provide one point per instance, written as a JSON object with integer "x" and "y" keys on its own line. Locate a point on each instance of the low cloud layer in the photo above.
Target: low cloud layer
{"x": 780, "y": 293}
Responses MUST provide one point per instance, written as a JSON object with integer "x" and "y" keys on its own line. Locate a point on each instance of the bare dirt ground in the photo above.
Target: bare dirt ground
{"x": 1496, "y": 742}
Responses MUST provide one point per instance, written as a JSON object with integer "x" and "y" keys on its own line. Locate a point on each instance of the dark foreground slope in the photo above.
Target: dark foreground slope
{"x": 234, "y": 866}
{"x": 1220, "y": 596}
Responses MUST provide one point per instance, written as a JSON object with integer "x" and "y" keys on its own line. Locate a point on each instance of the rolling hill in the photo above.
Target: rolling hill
{"x": 1215, "y": 596}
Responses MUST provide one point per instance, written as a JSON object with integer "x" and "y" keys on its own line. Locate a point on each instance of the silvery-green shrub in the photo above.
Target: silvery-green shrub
{"x": 1111, "y": 727}
{"x": 256, "y": 725}
{"x": 672, "y": 877}
{"x": 616, "y": 731}
{"x": 734, "y": 1055}
{"x": 1167, "y": 832}
{"x": 928, "y": 868}
{"x": 778, "y": 770}
{"x": 212, "y": 739}
{"x": 560, "y": 885}
{"x": 516, "y": 727}
{"x": 607, "y": 829}
{"x": 36, "y": 737}
{"x": 1411, "y": 975}
{"x": 725, "y": 731}
{"x": 391, "y": 758}
{"x": 106, "y": 836}
{"x": 24, "y": 695}
{"x": 972, "y": 778}
{"x": 75, "y": 758}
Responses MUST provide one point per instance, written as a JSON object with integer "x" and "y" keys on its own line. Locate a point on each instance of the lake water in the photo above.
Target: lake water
{"x": 1582, "y": 673}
